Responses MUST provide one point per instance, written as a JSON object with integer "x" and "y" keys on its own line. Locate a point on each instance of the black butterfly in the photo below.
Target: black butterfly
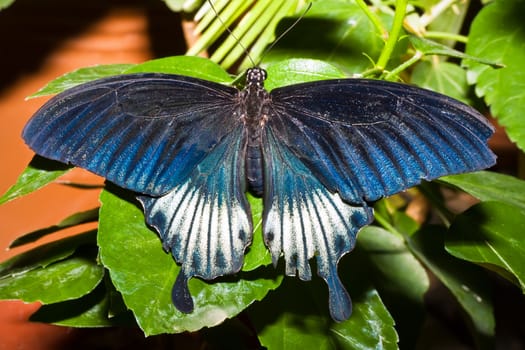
{"x": 318, "y": 153}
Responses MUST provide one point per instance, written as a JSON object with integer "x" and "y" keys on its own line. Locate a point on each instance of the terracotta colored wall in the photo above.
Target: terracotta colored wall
{"x": 40, "y": 41}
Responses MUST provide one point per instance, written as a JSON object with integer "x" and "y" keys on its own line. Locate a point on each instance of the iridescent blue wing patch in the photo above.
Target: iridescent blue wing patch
{"x": 302, "y": 219}
{"x": 143, "y": 132}
{"x": 367, "y": 139}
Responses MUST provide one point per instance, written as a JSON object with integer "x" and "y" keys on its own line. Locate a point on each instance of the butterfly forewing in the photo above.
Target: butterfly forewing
{"x": 143, "y": 132}
{"x": 368, "y": 139}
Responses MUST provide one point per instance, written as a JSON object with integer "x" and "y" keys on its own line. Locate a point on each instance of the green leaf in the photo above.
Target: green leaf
{"x": 63, "y": 280}
{"x": 467, "y": 282}
{"x": 183, "y": 5}
{"x": 45, "y": 255}
{"x": 184, "y": 65}
{"x": 295, "y": 71}
{"x": 429, "y": 47}
{"x": 490, "y": 186}
{"x": 398, "y": 270}
{"x": 257, "y": 254}
{"x": 91, "y": 310}
{"x": 491, "y": 234}
{"x": 5, "y": 3}
{"x": 39, "y": 172}
{"x": 399, "y": 277}
{"x": 296, "y": 319}
{"x": 497, "y": 34}
{"x": 444, "y": 77}
{"x": 144, "y": 274}
{"x": 334, "y": 31}
{"x": 80, "y": 76}
{"x": 70, "y": 221}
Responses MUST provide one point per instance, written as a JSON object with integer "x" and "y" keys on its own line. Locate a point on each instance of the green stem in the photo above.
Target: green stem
{"x": 386, "y": 225}
{"x": 431, "y": 192}
{"x": 396, "y": 71}
{"x": 393, "y": 37}
{"x": 373, "y": 18}
{"x": 445, "y": 35}
{"x": 435, "y": 11}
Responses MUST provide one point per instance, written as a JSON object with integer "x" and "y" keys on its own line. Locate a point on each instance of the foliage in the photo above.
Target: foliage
{"x": 94, "y": 279}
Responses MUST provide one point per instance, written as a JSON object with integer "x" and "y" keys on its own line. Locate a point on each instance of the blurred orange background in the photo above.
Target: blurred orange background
{"x": 41, "y": 41}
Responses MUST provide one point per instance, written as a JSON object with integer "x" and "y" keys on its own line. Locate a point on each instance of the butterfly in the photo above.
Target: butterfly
{"x": 318, "y": 153}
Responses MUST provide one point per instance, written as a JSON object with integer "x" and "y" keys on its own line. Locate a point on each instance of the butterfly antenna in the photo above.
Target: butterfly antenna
{"x": 231, "y": 33}
{"x": 269, "y": 48}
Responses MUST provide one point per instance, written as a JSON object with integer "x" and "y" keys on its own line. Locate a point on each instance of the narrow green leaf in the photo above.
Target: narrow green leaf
{"x": 63, "y": 280}
{"x": 467, "y": 282}
{"x": 490, "y": 186}
{"x": 80, "y": 76}
{"x": 144, "y": 274}
{"x": 429, "y": 47}
{"x": 39, "y": 172}
{"x": 263, "y": 15}
{"x": 268, "y": 35}
{"x": 70, "y": 221}
{"x": 497, "y": 34}
{"x": 213, "y": 25}
{"x": 491, "y": 234}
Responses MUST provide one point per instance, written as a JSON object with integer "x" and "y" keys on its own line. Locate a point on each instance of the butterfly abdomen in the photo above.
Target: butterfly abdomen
{"x": 254, "y": 155}
{"x": 254, "y": 166}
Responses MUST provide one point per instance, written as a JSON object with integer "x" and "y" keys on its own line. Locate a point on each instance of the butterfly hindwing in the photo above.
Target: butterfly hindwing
{"x": 143, "y": 132}
{"x": 303, "y": 219}
{"x": 205, "y": 222}
{"x": 367, "y": 139}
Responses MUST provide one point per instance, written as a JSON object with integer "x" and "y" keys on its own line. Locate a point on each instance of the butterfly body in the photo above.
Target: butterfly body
{"x": 318, "y": 153}
{"x": 254, "y": 112}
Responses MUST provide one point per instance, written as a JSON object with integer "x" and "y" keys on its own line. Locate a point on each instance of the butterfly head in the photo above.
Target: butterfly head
{"x": 255, "y": 77}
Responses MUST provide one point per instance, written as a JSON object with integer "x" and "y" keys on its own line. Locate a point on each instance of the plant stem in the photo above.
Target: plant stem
{"x": 393, "y": 37}
{"x": 445, "y": 35}
{"x": 386, "y": 225}
{"x": 373, "y": 18}
{"x": 435, "y": 11}
{"x": 395, "y": 72}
